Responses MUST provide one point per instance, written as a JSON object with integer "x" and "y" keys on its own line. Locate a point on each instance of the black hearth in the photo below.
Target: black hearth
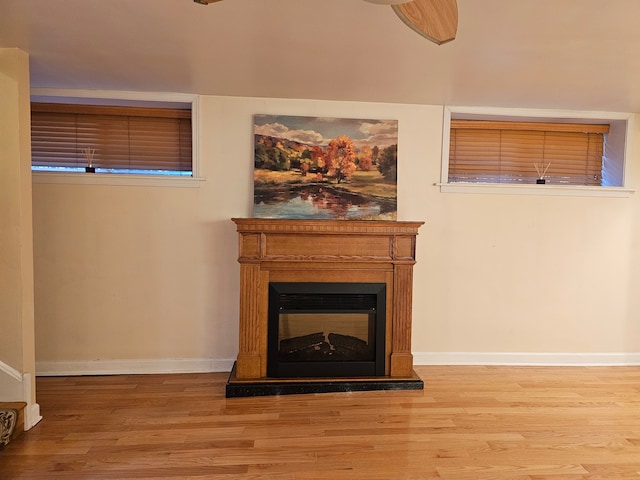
{"x": 326, "y": 330}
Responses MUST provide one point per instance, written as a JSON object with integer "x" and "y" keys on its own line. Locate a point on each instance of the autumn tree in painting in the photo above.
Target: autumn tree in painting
{"x": 317, "y": 161}
{"x": 388, "y": 163}
{"x": 340, "y": 159}
{"x": 364, "y": 158}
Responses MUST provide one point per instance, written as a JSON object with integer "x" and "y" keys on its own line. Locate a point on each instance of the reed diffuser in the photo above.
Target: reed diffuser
{"x": 88, "y": 155}
{"x": 541, "y": 172}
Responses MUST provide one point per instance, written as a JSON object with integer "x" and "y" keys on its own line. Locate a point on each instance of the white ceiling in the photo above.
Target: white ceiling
{"x": 566, "y": 54}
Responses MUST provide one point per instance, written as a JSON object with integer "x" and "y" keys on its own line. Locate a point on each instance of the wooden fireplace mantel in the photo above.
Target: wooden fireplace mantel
{"x": 288, "y": 250}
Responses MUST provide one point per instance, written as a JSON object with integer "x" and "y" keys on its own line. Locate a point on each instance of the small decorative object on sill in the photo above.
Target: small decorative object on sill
{"x": 541, "y": 173}
{"x": 88, "y": 155}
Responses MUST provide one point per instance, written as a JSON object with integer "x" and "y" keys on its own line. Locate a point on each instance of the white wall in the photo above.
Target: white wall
{"x": 146, "y": 279}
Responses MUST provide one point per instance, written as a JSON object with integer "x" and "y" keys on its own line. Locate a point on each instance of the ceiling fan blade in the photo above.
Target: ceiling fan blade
{"x": 436, "y": 20}
{"x": 387, "y": 2}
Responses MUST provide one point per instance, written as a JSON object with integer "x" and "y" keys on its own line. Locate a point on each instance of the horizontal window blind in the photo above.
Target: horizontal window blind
{"x": 519, "y": 152}
{"x": 125, "y": 138}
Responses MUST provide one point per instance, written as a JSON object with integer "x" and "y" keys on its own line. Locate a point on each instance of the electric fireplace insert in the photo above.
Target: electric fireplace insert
{"x": 326, "y": 329}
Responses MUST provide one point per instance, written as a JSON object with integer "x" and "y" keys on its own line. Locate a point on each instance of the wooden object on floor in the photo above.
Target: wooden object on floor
{"x": 279, "y": 250}
{"x": 469, "y": 423}
{"x": 11, "y": 421}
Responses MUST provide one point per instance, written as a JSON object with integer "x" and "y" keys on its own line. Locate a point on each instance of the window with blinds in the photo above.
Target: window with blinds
{"x": 487, "y": 151}
{"x": 111, "y": 139}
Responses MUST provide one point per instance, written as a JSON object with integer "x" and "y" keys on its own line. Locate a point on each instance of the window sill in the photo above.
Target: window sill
{"x": 112, "y": 179}
{"x": 557, "y": 190}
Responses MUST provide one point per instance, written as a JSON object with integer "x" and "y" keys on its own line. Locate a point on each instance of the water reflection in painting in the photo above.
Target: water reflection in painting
{"x": 317, "y": 201}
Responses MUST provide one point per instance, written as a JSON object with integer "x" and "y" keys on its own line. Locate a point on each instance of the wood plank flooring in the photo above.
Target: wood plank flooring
{"x": 469, "y": 423}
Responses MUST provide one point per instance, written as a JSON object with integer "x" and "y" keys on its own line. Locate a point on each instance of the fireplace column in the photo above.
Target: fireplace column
{"x": 401, "y": 356}
{"x": 248, "y": 364}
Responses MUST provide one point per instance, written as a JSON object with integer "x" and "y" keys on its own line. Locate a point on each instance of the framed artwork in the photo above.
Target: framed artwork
{"x": 325, "y": 168}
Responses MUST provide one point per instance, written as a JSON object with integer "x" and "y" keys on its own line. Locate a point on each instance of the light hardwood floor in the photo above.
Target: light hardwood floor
{"x": 470, "y": 423}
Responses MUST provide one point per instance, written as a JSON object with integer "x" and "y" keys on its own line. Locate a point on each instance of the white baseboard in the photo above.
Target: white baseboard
{"x": 203, "y": 365}
{"x": 123, "y": 367}
{"x": 10, "y": 371}
{"x": 32, "y": 416}
{"x": 526, "y": 359}
{"x": 11, "y": 386}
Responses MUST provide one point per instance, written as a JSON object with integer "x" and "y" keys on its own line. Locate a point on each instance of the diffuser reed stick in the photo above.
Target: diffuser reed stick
{"x": 539, "y": 168}
{"x": 88, "y": 155}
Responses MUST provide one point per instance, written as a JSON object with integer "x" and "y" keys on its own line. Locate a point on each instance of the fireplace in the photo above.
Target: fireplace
{"x": 325, "y": 305}
{"x": 326, "y": 329}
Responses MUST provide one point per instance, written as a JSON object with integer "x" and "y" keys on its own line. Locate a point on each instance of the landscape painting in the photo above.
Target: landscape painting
{"x": 325, "y": 168}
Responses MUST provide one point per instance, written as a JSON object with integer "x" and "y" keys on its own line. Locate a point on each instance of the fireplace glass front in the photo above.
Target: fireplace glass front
{"x": 326, "y": 329}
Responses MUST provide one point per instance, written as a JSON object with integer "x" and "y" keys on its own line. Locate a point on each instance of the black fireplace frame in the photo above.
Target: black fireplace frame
{"x": 294, "y": 369}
